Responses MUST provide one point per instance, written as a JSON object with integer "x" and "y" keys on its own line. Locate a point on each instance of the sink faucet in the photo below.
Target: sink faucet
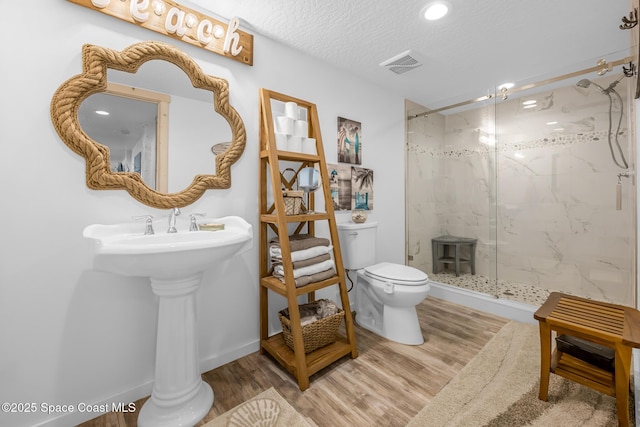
{"x": 194, "y": 223}
{"x": 172, "y": 220}
{"x": 149, "y": 223}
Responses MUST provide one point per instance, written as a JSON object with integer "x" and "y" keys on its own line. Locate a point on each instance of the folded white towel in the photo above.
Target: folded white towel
{"x": 276, "y": 252}
{"x": 306, "y": 271}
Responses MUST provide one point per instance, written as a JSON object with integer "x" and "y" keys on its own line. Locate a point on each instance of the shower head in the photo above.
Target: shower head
{"x": 585, "y": 83}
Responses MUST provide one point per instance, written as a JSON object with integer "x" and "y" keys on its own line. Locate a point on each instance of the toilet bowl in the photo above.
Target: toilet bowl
{"x": 386, "y": 293}
{"x": 386, "y": 299}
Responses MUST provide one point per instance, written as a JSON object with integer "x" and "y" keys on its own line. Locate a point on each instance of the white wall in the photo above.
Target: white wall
{"x": 72, "y": 335}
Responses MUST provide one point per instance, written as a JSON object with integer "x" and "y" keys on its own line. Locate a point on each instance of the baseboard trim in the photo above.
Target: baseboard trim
{"x": 143, "y": 390}
{"x": 218, "y": 360}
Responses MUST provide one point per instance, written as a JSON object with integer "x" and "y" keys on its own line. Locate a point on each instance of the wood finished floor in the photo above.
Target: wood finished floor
{"x": 386, "y": 385}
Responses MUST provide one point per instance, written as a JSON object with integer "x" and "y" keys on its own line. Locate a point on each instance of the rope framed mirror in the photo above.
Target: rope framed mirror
{"x": 96, "y": 62}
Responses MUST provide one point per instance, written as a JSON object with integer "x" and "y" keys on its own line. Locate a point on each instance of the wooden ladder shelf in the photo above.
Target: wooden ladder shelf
{"x": 273, "y": 217}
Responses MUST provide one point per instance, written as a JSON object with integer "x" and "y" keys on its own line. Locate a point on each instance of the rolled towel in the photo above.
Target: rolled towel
{"x": 299, "y": 242}
{"x": 314, "y": 311}
{"x": 306, "y": 271}
{"x": 276, "y": 252}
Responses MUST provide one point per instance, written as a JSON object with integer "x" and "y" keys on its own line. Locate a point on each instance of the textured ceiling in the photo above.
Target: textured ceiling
{"x": 479, "y": 44}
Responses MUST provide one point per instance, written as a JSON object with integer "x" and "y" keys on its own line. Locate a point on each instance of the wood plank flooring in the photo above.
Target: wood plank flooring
{"x": 387, "y": 385}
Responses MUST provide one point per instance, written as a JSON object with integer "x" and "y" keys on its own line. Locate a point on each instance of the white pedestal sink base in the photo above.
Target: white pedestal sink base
{"x": 186, "y": 414}
{"x": 174, "y": 262}
{"x": 179, "y": 397}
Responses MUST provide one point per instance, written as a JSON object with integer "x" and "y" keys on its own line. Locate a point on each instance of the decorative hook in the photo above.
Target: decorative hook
{"x": 631, "y": 21}
{"x": 631, "y": 71}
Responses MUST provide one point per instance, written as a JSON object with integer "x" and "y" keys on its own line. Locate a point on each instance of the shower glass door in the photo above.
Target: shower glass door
{"x": 566, "y": 192}
{"x": 451, "y": 193}
{"x": 542, "y": 175}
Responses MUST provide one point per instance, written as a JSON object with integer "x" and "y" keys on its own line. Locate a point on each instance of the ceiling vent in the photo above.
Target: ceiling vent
{"x": 399, "y": 64}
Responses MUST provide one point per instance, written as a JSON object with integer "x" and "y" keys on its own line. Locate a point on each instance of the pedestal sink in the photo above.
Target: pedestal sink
{"x": 174, "y": 263}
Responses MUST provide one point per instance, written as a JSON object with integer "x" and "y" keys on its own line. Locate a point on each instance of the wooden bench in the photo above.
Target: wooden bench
{"x": 610, "y": 325}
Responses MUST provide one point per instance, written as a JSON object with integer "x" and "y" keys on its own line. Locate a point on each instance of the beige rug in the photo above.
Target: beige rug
{"x": 268, "y": 409}
{"x": 499, "y": 387}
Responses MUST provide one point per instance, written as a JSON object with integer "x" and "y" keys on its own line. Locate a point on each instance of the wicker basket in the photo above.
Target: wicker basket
{"x": 292, "y": 201}
{"x": 317, "y": 334}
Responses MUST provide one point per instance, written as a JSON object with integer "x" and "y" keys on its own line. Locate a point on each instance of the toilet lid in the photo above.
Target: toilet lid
{"x": 396, "y": 273}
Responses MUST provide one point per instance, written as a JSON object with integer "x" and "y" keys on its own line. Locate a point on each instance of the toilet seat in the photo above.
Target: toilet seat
{"x": 396, "y": 273}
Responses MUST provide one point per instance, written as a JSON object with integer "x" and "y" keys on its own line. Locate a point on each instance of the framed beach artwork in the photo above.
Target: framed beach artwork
{"x": 361, "y": 188}
{"x": 349, "y": 141}
{"x": 340, "y": 185}
{"x": 351, "y": 187}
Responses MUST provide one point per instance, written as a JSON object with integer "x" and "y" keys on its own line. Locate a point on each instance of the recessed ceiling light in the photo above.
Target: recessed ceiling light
{"x": 529, "y": 102}
{"x": 102, "y": 113}
{"x": 435, "y": 10}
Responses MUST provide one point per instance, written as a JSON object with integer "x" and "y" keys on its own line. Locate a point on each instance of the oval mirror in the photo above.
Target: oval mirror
{"x": 131, "y": 150}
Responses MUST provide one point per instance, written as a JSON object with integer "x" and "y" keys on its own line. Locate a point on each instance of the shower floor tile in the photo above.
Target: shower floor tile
{"x": 514, "y": 291}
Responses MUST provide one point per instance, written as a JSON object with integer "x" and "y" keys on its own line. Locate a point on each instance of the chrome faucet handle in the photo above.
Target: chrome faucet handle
{"x": 172, "y": 220}
{"x": 194, "y": 224}
{"x": 148, "y": 221}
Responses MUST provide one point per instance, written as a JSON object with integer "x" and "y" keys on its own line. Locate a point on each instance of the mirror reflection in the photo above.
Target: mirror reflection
{"x": 129, "y": 127}
{"x": 165, "y": 137}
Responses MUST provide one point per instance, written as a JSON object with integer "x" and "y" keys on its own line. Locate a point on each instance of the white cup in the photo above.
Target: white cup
{"x": 284, "y": 125}
{"x": 294, "y": 143}
{"x": 309, "y": 145}
{"x": 291, "y": 110}
{"x": 301, "y": 128}
{"x": 281, "y": 141}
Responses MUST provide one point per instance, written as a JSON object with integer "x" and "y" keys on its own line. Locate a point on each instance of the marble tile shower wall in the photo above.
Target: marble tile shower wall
{"x": 541, "y": 202}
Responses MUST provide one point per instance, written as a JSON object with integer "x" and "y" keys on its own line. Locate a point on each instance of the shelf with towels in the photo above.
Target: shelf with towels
{"x": 303, "y": 217}
{"x": 274, "y": 219}
{"x": 279, "y": 287}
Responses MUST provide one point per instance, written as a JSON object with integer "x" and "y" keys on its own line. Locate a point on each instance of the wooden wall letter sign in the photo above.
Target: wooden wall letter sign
{"x": 182, "y": 23}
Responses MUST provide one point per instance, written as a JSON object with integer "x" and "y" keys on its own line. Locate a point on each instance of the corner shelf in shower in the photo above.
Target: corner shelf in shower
{"x": 273, "y": 217}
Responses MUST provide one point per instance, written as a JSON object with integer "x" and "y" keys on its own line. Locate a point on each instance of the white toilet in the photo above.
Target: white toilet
{"x": 386, "y": 293}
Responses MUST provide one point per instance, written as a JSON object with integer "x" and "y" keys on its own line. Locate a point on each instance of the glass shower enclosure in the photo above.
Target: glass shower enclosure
{"x": 542, "y": 175}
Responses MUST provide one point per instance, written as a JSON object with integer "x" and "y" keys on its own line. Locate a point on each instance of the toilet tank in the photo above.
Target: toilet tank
{"x": 358, "y": 244}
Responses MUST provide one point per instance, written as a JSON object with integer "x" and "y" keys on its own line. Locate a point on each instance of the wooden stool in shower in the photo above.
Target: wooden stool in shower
{"x": 455, "y": 243}
{"x": 610, "y": 325}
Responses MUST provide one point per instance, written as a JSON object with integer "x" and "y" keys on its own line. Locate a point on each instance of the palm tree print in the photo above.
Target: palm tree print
{"x": 365, "y": 177}
{"x": 362, "y": 188}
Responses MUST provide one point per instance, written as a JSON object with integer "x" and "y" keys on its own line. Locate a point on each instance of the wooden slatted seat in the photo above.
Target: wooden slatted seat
{"x": 610, "y": 325}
